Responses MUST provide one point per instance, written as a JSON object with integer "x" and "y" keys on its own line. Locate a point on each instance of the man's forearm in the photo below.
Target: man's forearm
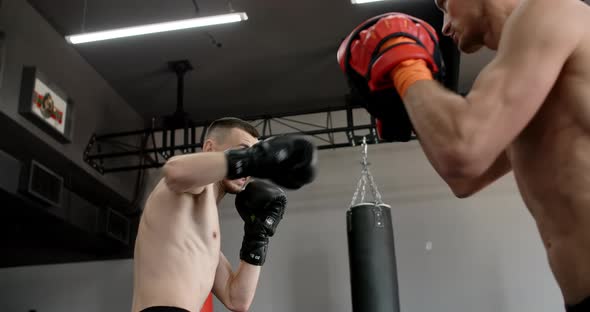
{"x": 439, "y": 118}
{"x": 243, "y": 286}
{"x": 187, "y": 172}
{"x": 236, "y": 290}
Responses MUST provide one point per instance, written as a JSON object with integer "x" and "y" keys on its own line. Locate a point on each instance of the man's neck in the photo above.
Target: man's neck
{"x": 496, "y": 13}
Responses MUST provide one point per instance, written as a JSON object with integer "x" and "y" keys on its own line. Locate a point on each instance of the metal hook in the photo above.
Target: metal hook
{"x": 364, "y": 152}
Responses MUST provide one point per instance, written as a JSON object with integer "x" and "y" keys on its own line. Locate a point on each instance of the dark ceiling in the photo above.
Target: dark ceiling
{"x": 281, "y": 60}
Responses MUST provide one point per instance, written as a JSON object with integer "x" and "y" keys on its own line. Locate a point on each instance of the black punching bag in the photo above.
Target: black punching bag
{"x": 371, "y": 252}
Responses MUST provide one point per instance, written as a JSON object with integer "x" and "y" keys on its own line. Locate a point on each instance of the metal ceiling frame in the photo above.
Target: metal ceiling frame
{"x": 176, "y": 134}
{"x": 155, "y": 145}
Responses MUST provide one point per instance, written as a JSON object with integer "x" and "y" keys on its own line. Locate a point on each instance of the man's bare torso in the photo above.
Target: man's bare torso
{"x": 551, "y": 163}
{"x": 177, "y": 249}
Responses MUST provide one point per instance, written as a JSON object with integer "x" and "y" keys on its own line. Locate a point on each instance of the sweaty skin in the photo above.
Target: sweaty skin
{"x": 551, "y": 164}
{"x": 177, "y": 260}
{"x": 177, "y": 249}
{"x": 529, "y": 111}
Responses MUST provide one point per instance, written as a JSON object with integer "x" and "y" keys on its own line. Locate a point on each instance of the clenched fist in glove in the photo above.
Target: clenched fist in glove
{"x": 382, "y": 57}
{"x": 289, "y": 161}
{"x": 261, "y": 205}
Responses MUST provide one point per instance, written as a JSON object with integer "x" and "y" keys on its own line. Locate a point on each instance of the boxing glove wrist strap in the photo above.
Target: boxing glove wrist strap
{"x": 254, "y": 249}
{"x": 239, "y": 163}
{"x": 409, "y": 72}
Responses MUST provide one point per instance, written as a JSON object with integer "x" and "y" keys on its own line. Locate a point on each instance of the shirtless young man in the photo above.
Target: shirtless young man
{"x": 177, "y": 253}
{"x": 528, "y": 111}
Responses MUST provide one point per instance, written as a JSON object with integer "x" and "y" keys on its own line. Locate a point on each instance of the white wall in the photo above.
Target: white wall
{"x": 486, "y": 254}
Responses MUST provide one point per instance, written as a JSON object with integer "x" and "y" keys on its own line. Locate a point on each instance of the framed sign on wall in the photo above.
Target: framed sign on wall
{"x": 45, "y": 105}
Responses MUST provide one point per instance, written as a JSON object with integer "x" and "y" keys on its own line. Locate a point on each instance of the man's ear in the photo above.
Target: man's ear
{"x": 208, "y": 146}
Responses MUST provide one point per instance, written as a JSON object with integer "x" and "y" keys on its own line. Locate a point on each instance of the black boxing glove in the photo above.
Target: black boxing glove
{"x": 289, "y": 161}
{"x": 261, "y": 205}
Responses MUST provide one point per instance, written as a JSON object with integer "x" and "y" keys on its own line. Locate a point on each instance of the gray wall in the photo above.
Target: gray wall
{"x": 31, "y": 41}
{"x": 486, "y": 254}
{"x": 471, "y": 65}
{"x": 84, "y": 287}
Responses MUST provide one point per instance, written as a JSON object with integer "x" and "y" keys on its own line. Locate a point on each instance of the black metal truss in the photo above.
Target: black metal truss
{"x": 177, "y": 134}
{"x": 153, "y": 146}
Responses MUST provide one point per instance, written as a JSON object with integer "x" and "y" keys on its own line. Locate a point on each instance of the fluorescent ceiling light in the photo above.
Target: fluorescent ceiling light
{"x": 363, "y": 1}
{"x": 158, "y": 27}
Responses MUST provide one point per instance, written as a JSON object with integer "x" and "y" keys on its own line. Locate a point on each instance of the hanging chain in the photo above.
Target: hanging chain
{"x": 366, "y": 178}
{"x": 374, "y": 189}
{"x": 356, "y": 193}
{"x": 363, "y": 191}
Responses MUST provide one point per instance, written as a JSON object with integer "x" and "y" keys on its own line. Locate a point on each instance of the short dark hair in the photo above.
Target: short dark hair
{"x": 227, "y": 123}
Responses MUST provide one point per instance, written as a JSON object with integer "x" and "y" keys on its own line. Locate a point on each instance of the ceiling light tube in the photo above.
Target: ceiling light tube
{"x": 363, "y": 1}
{"x": 157, "y": 28}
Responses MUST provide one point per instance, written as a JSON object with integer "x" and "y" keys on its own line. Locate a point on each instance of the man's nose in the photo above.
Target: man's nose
{"x": 446, "y": 27}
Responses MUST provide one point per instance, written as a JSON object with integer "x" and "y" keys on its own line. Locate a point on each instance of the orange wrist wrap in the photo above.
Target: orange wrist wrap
{"x": 407, "y": 72}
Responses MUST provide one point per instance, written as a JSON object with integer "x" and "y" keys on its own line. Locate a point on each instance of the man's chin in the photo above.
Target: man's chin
{"x": 468, "y": 48}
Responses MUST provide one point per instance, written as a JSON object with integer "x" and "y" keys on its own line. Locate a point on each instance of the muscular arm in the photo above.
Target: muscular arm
{"x": 466, "y": 187}
{"x": 191, "y": 173}
{"x": 464, "y": 136}
{"x": 235, "y": 289}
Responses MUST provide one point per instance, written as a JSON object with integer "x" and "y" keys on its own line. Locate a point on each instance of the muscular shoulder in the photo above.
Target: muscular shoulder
{"x": 552, "y": 8}
{"x": 549, "y": 18}
{"x": 549, "y": 28}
